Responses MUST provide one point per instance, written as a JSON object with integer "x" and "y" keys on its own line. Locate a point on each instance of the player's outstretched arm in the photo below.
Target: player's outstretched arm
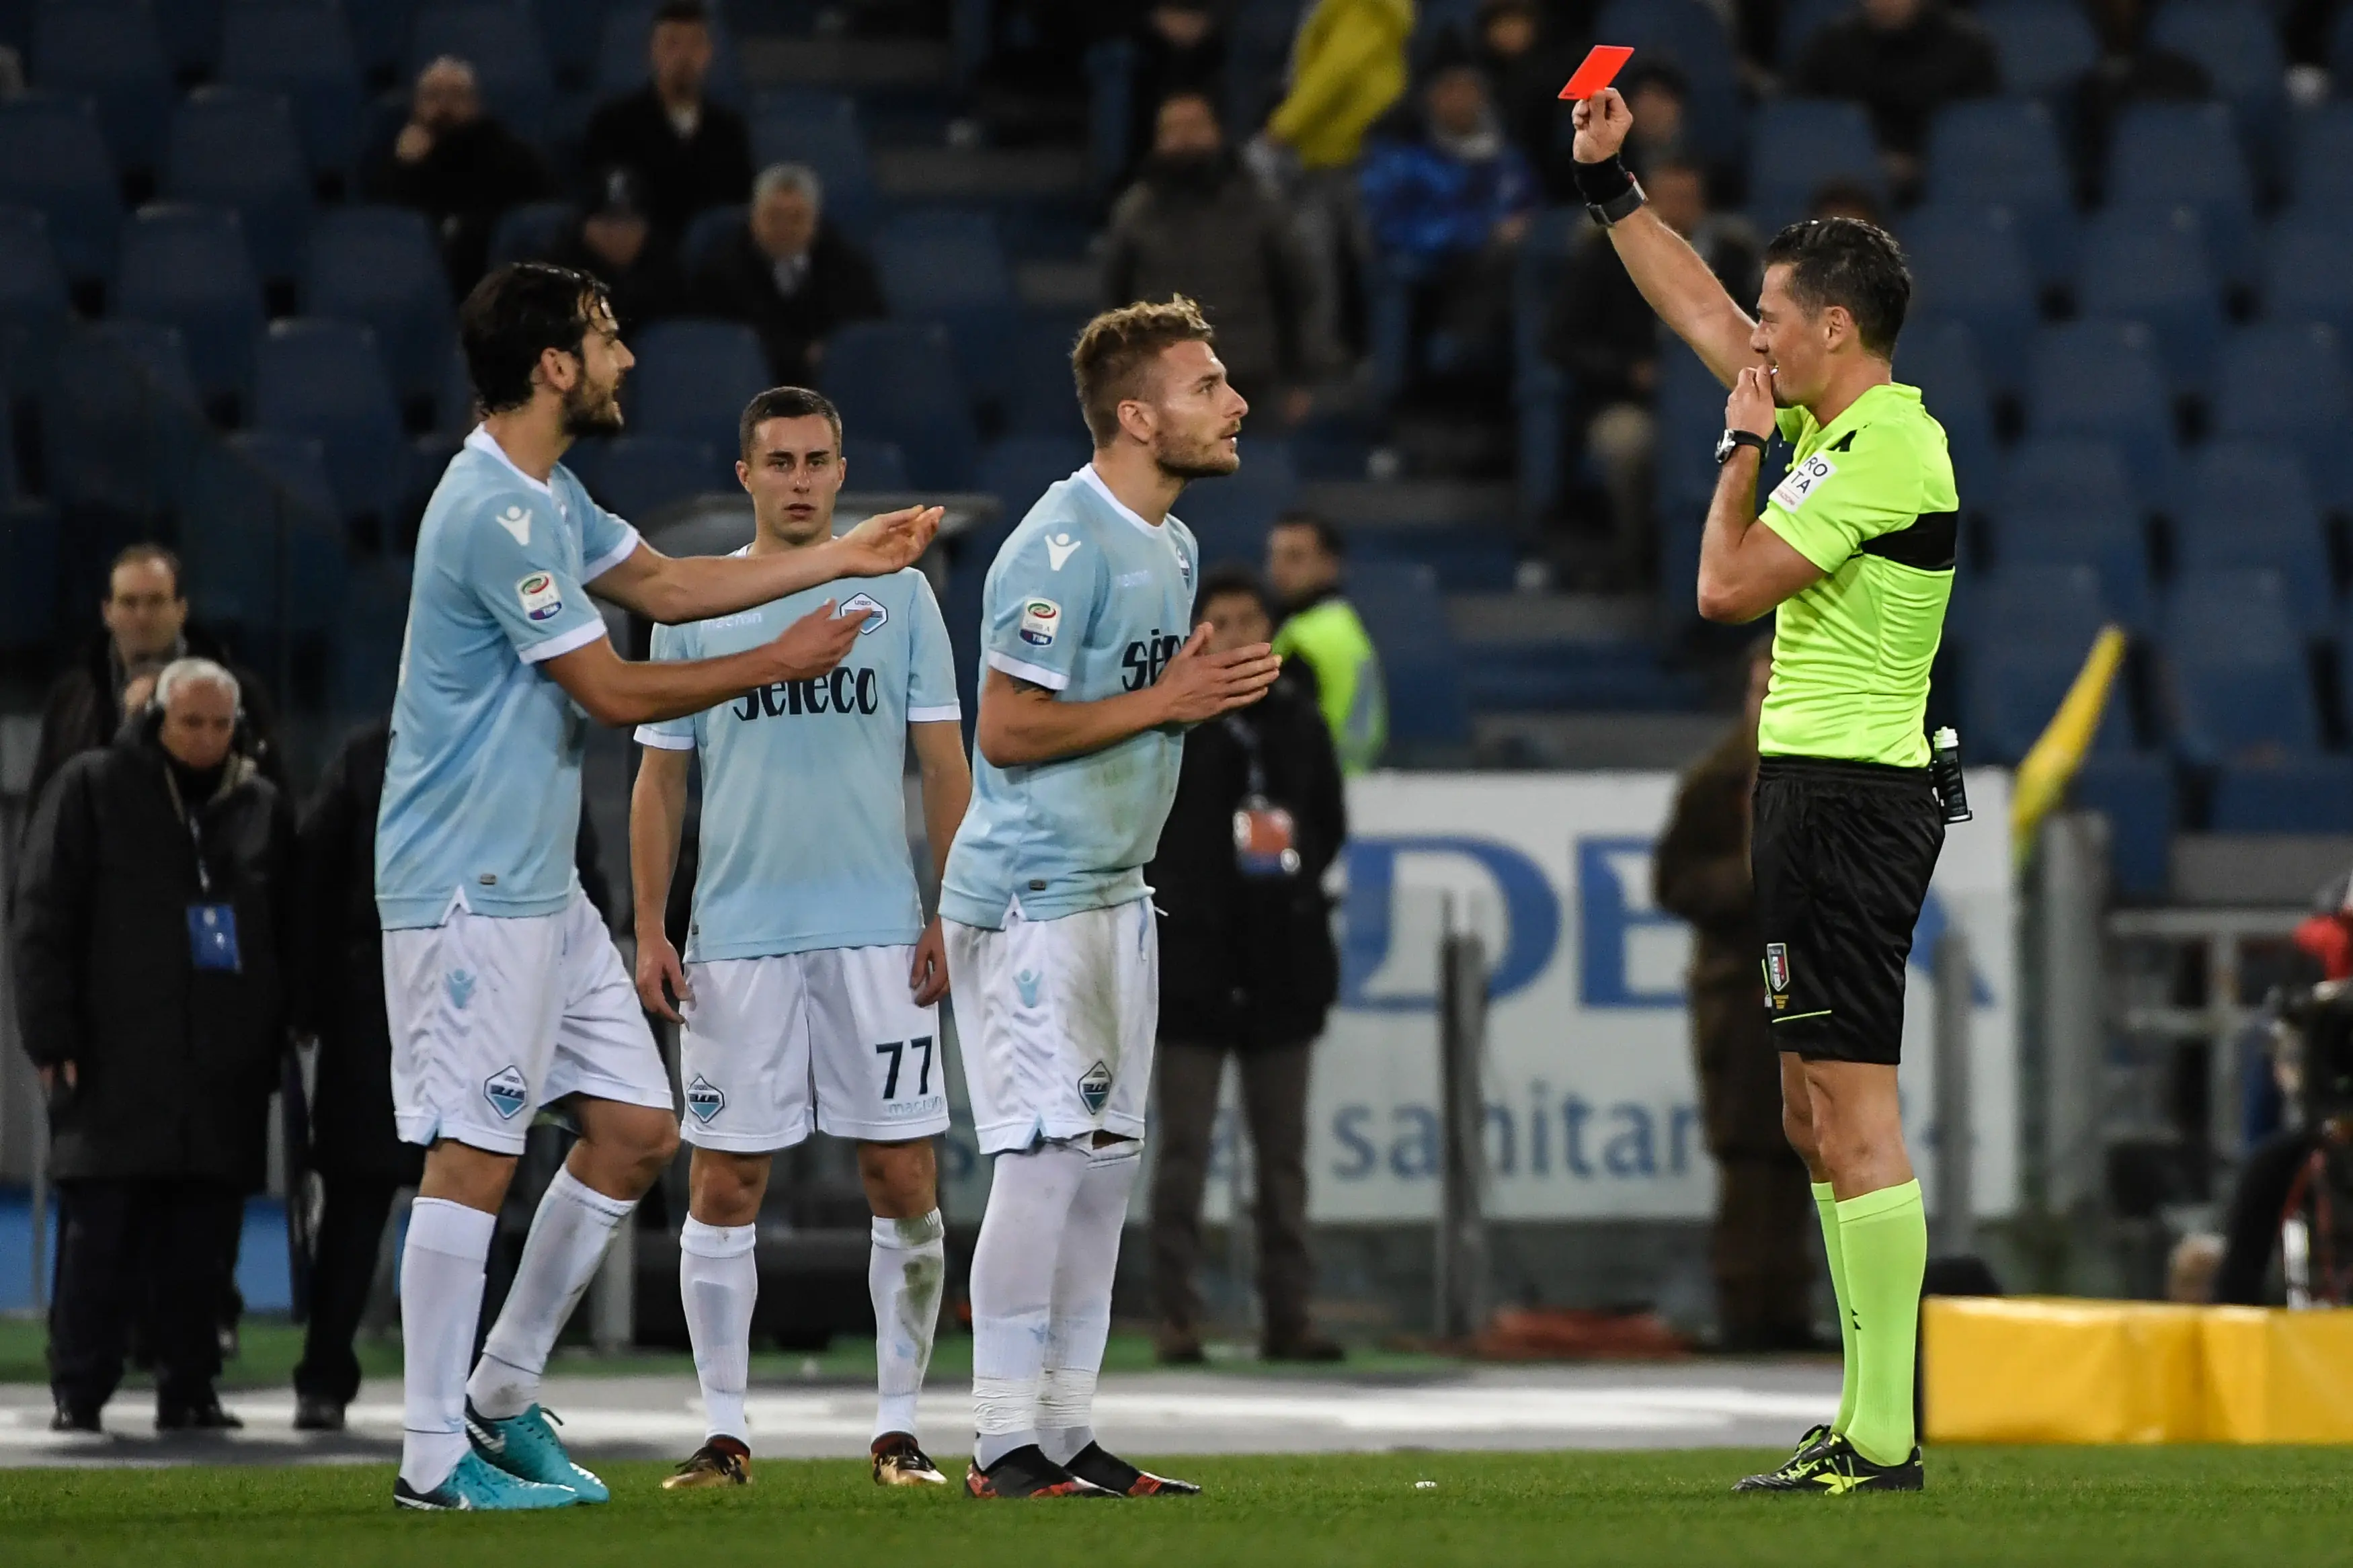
{"x": 1745, "y": 568}
{"x": 657, "y": 817}
{"x": 674, "y": 589}
{"x": 1671, "y": 276}
{"x": 615, "y": 690}
{"x": 1021, "y": 723}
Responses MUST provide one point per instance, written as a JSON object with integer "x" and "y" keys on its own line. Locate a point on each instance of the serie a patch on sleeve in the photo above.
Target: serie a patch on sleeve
{"x": 1802, "y": 480}
{"x": 542, "y": 599}
{"x": 1040, "y": 620}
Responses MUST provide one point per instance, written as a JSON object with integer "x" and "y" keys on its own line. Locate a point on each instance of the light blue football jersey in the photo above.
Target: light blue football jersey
{"x": 1087, "y": 600}
{"x": 804, "y": 843}
{"x": 481, "y": 790}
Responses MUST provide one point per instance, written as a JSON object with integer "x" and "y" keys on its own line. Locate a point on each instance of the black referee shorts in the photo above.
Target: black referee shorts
{"x": 1841, "y": 853}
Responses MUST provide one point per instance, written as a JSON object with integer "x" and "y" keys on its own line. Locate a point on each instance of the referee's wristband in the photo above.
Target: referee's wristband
{"x": 1609, "y": 189}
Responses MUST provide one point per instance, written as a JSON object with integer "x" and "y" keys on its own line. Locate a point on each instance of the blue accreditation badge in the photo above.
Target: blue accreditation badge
{"x": 211, "y": 937}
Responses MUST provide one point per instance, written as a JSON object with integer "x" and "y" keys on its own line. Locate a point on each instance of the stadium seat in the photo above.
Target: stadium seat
{"x": 1039, "y": 396}
{"x": 1017, "y": 469}
{"x": 2235, "y": 669}
{"x": 29, "y": 580}
{"x": 258, "y": 534}
{"x": 378, "y": 266}
{"x": 2287, "y": 383}
{"x": 1801, "y": 21}
{"x": 304, "y": 52}
{"x": 2100, "y": 379}
{"x": 2187, "y": 155}
{"x": 2249, "y": 505}
{"x": 1229, "y": 516}
{"x": 2296, "y": 795}
{"x": 502, "y": 42}
{"x": 1968, "y": 265}
{"x": 2061, "y": 604}
{"x": 368, "y": 640}
{"x": 834, "y": 148}
{"x": 2016, "y": 686}
{"x": 110, "y": 52}
{"x": 1940, "y": 358}
{"x": 187, "y": 266}
{"x": 1421, "y": 669}
{"x": 2238, "y": 44}
{"x": 705, "y": 234}
{"x": 2307, "y": 272}
{"x": 34, "y": 306}
{"x": 2006, "y": 154}
{"x": 236, "y": 148}
{"x": 157, "y": 353}
{"x": 621, "y": 40}
{"x": 573, "y": 31}
{"x": 897, "y": 381}
{"x": 530, "y": 231}
{"x": 2136, "y": 795}
{"x": 2110, "y": 540}
{"x": 2069, "y": 475}
{"x": 949, "y": 265}
{"x": 380, "y": 30}
{"x": 2045, "y": 46}
{"x": 637, "y": 475}
{"x": 785, "y": 105}
{"x": 1691, "y": 34}
{"x": 191, "y": 32}
{"x": 2320, "y": 160}
{"x": 693, "y": 377}
{"x": 53, "y": 157}
{"x": 2149, "y": 264}
{"x": 1796, "y": 144}
{"x": 875, "y": 468}
{"x": 323, "y": 380}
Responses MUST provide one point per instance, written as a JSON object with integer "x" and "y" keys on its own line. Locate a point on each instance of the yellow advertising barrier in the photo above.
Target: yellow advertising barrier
{"x": 2036, "y": 1369}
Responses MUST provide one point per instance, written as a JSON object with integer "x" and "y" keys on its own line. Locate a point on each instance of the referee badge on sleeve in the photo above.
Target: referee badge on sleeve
{"x": 1777, "y": 971}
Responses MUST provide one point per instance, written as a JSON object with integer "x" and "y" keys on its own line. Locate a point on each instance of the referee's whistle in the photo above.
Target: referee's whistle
{"x": 1944, "y": 774}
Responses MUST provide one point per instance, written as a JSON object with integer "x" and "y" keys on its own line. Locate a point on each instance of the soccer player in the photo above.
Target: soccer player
{"x": 1853, "y": 553}
{"x": 504, "y": 991}
{"x": 810, "y": 985}
{"x": 1089, "y": 680}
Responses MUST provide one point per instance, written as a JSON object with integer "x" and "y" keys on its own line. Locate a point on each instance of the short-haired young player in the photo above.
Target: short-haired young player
{"x": 1091, "y": 671}
{"x": 809, "y": 989}
{"x": 504, "y": 991}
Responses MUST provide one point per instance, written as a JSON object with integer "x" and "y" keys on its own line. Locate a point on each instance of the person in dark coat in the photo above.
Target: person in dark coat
{"x": 1762, "y": 1251}
{"x": 615, "y": 244}
{"x": 458, "y": 166}
{"x": 688, "y": 154}
{"x": 788, "y": 274}
{"x": 153, "y": 929}
{"x": 1247, "y": 969}
{"x": 146, "y": 617}
{"x": 1903, "y": 60}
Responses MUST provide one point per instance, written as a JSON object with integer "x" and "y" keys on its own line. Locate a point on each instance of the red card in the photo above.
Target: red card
{"x": 1599, "y": 69}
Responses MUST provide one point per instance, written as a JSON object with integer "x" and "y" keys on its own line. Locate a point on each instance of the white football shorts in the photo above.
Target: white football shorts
{"x": 493, "y": 1018}
{"x": 1055, "y": 1022}
{"x": 831, "y": 1039}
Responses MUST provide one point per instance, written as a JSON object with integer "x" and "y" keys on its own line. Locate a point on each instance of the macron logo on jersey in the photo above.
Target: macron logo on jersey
{"x": 517, "y": 522}
{"x": 1060, "y": 548}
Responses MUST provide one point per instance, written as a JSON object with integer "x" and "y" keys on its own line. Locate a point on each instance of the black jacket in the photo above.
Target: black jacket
{"x": 1902, "y": 78}
{"x": 651, "y": 288}
{"x": 1599, "y": 327}
{"x": 470, "y": 176}
{"x": 738, "y": 282}
{"x": 679, "y": 178}
{"x": 175, "y": 1064}
{"x": 85, "y": 704}
{"x": 1246, "y": 960}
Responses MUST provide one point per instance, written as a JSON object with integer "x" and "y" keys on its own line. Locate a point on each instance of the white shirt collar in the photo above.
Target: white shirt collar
{"x": 1087, "y": 472}
{"x": 481, "y": 440}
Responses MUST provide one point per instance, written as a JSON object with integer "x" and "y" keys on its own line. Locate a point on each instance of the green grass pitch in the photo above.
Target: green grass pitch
{"x": 2009, "y": 1506}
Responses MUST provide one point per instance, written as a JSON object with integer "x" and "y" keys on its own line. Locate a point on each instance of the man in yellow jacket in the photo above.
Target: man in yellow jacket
{"x": 1323, "y": 631}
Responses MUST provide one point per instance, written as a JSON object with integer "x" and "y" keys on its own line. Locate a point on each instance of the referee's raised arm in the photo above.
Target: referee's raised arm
{"x": 1669, "y": 273}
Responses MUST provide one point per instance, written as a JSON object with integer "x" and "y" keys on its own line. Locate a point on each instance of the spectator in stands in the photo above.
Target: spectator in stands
{"x": 1197, "y": 224}
{"x": 456, "y": 165}
{"x": 1447, "y": 211}
{"x": 614, "y": 243}
{"x": 1903, "y": 60}
{"x": 146, "y": 617}
{"x": 152, "y": 927}
{"x": 789, "y": 274}
{"x": 1180, "y": 47}
{"x": 1659, "y": 99}
{"x": 1525, "y": 67}
{"x": 1248, "y": 969}
{"x": 1600, "y": 333}
{"x": 688, "y": 154}
{"x": 1305, "y": 559}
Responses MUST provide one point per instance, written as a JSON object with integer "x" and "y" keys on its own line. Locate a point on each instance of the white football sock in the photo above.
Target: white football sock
{"x": 440, "y": 1300}
{"x": 905, "y": 1268}
{"x": 1029, "y": 1197}
{"x": 568, "y": 1236}
{"x": 719, "y": 1280}
{"x": 1081, "y": 1323}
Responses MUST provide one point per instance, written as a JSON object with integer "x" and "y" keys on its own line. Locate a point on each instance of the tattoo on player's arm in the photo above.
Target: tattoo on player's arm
{"x": 1021, "y": 685}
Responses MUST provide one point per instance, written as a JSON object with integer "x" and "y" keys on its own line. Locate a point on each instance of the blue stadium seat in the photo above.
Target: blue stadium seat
{"x": 187, "y": 266}
{"x": 191, "y": 31}
{"x": 706, "y": 233}
{"x": 946, "y": 265}
{"x": 324, "y": 380}
{"x": 2136, "y": 795}
{"x": 53, "y": 157}
{"x": 110, "y": 52}
{"x": 637, "y": 475}
{"x": 502, "y": 42}
{"x": 1018, "y": 469}
{"x": 693, "y": 377}
{"x": 29, "y": 586}
{"x": 2235, "y": 669}
{"x": 2006, "y": 154}
{"x": 2287, "y": 383}
{"x": 235, "y": 148}
{"x": 622, "y": 39}
{"x": 380, "y": 30}
{"x": 2187, "y": 155}
{"x": 573, "y": 31}
{"x": 2239, "y": 45}
{"x": 1940, "y": 358}
{"x": 2149, "y": 264}
{"x": 2307, "y": 272}
{"x": 2249, "y": 505}
{"x": 876, "y": 467}
{"x": 1040, "y": 398}
{"x": 98, "y": 428}
{"x": 1801, "y": 21}
{"x": 1796, "y": 144}
{"x": 366, "y": 645}
{"x": 158, "y": 353}
{"x": 378, "y": 266}
{"x": 1968, "y": 265}
{"x": 2045, "y": 46}
{"x": 2320, "y": 162}
{"x": 2060, "y": 605}
{"x": 531, "y": 231}
{"x": 1688, "y": 33}
{"x": 264, "y": 552}
{"x": 2016, "y": 686}
{"x": 2296, "y": 795}
{"x": 34, "y": 306}
{"x": 2110, "y": 540}
{"x": 787, "y": 105}
{"x": 304, "y": 52}
{"x": 2068, "y": 475}
{"x": 834, "y": 148}
{"x": 897, "y": 380}
{"x": 1421, "y": 669}
{"x": 2100, "y": 379}
{"x": 1229, "y": 516}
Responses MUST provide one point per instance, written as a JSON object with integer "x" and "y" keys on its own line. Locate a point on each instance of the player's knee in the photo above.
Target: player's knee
{"x": 901, "y": 1180}
{"x": 1797, "y": 1127}
{"x": 724, "y": 1188}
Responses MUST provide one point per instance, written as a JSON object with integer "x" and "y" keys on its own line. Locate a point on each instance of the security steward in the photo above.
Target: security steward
{"x": 1854, "y": 550}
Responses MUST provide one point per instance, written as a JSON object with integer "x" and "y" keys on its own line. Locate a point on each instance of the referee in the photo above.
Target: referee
{"x": 1855, "y": 550}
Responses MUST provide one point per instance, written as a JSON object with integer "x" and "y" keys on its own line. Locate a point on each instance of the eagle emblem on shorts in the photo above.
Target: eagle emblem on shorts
{"x": 1777, "y": 967}
{"x": 704, "y": 1100}
{"x": 1094, "y": 1088}
{"x": 508, "y": 1091}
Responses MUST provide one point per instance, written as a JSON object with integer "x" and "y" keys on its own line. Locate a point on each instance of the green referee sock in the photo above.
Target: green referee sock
{"x": 1885, "y": 1236}
{"x": 1826, "y": 1207}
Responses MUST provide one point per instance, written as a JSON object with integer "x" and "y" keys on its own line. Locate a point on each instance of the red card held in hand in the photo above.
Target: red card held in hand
{"x": 1599, "y": 69}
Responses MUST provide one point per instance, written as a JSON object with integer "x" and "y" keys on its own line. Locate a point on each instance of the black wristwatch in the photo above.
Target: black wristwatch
{"x": 1731, "y": 441}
